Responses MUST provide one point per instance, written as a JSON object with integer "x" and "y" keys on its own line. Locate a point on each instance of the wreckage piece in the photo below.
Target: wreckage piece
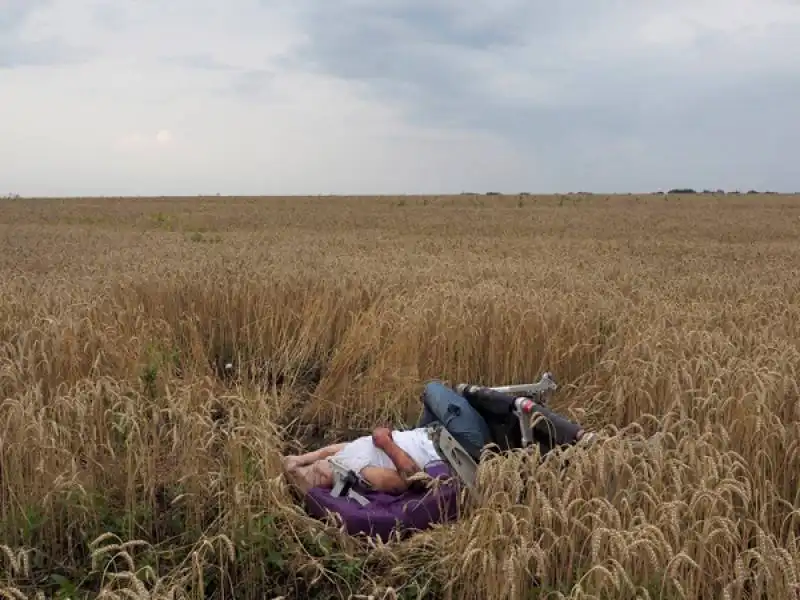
{"x": 462, "y": 422}
{"x": 508, "y": 418}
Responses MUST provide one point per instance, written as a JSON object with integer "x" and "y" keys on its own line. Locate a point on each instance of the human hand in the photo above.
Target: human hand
{"x": 291, "y": 463}
{"x": 381, "y": 436}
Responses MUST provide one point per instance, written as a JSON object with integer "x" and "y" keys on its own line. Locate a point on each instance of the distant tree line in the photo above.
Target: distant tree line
{"x": 692, "y": 191}
{"x": 686, "y": 190}
{"x": 672, "y": 191}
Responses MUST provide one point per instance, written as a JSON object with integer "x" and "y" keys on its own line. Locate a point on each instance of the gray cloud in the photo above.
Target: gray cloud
{"x": 17, "y": 51}
{"x": 112, "y": 16}
{"x": 14, "y": 13}
{"x": 357, "y": 96}
{"x": 40, "y": 53}
{"x": 201, "y": 62}
{"x": 552, "y": 77}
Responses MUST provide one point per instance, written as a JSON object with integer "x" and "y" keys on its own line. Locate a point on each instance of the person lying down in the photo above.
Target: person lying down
{"x": 387, "y": 460}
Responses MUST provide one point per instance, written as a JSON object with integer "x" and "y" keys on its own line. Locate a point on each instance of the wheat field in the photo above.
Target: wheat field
{"x": 132, "y": 465}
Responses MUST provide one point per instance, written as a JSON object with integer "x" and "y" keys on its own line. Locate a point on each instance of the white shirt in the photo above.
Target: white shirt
{"x": 361, "y": 452}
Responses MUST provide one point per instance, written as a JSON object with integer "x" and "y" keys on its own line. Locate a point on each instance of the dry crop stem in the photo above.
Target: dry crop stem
{"x": 131, "y": 466}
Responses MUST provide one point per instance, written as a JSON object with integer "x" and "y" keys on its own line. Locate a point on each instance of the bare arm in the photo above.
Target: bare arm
{"x": 405, "y": 465}
{"x": 309, "y": 458}
{"x": 385, "y": 480}
{"x": 325, "y": 452}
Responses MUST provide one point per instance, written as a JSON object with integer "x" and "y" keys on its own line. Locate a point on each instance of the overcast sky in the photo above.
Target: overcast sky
{"x": 397, "y": 96}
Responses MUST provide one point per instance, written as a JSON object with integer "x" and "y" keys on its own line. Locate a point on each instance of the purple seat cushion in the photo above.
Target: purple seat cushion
{"x": 414, "y": 510}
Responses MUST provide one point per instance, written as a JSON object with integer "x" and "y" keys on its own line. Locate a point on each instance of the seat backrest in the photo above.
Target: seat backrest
{"x": 455, "y": 455}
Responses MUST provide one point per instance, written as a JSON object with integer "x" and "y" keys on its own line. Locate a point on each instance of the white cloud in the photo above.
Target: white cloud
{"x": 164, "y": 137}
{"x": 131, "y": 140}
{"x": 257, "y": 96}
{"x": 139, "y": 141}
